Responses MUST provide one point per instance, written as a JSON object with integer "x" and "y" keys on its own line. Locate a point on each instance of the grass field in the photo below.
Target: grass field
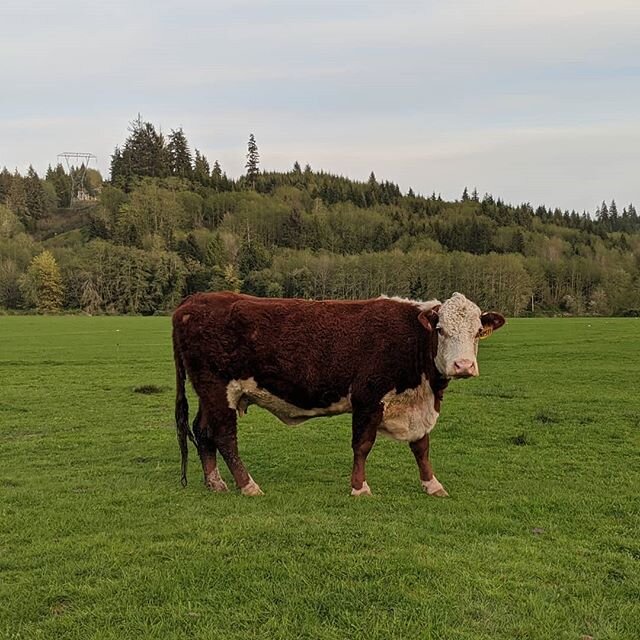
{"x": 539, "y": 539}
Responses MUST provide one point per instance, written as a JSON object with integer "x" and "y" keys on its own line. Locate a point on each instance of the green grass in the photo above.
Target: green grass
{"x": 540, "y": 538}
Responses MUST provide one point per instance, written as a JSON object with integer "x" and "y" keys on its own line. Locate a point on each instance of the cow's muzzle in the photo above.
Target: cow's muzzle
{"x": 465, "y": 369}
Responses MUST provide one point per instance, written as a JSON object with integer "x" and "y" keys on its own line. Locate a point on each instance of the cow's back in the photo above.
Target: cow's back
{"x": 310, "y": 353}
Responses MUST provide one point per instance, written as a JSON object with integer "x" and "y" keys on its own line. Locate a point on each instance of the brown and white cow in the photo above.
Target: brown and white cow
{"x": 386, "y": 361}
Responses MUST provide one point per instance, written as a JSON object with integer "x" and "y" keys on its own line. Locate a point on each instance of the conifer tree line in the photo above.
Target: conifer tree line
{"x": 169, "y": 223}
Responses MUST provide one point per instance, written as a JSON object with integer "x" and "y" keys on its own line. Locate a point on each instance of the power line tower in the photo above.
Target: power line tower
{"x": 77, "y": 172}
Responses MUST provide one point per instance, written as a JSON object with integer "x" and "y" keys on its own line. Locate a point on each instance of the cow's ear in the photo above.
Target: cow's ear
{"x": 491, "y": 321}
{"x": 429, "y": 319}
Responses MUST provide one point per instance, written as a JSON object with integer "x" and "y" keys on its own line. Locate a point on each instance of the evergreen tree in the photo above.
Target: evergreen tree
{"x": 465, "y": 195}
{"x": 602, "y": 215}
{"x": 215, "y": 255}
{"x": 144, "y": 154}
{"x": 252, "y": 256}
{"x": 17, "y": 198}
{"x": 5, "y": 185}
{"x": 474, "y": 195}
{"x": 201, "y": 168}
{"x": 296, "y": 168}
{"x": 179, "y": 154}
{"x": 61, "y": 183}
{"x": 613, "y": 216}
{"x": 253, "y": 159}
{"x": 42, "y": 284}
{"x": 35, "y": 197}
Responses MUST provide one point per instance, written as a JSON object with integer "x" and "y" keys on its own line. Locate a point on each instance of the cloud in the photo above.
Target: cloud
{"x": 523, "y": 98}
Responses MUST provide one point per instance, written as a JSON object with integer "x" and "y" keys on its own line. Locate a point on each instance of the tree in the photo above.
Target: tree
{"x": 465, "y": 195}
{"x": 35, "y": 197}
{"x": 42, "y": 284}
{"x": 17, "y": 197}
{"x": 252, "y": 256}
{"x": 144, "y": 154}
{"x": 201, "y": 168}
{"x": 179, "y": 154}
{"x": 253, "y": 159}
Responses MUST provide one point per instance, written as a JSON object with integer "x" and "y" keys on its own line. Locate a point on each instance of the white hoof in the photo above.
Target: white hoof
{"x": 251, "y": 488}
{"x": 363, "y": 491}
{"x": 215, "y": 482}
{"x": 434, "y": 488}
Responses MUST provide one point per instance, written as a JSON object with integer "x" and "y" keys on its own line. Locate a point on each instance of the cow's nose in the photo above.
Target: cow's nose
{"x": 465, "y": 368}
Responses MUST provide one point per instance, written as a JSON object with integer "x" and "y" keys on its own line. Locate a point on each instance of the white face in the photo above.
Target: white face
{"x": 459, "y": 329}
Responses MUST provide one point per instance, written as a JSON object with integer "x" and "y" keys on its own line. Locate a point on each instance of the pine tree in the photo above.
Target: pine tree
{"x": 5, "y": 185}
{"x": 144, "y": 154}
{"x": 215, "y": 254}
{"x": 42, "y": 284}
{"x": 602, "y": 215}
{"x": 34, "y": 195}
{"x": 296, "y": 167}
{"x": 179, "y": 154}
{"x": 474, "y": 195}
{"x": 613, "y": 216}
{"x": 17, "y": 198}
{"x": 465, "y": 195}
{"x": 253, "y": 159}
{"x": 201, "y": 168}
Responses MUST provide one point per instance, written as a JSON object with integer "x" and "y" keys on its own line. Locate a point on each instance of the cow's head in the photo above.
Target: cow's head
{"x": 459, "y": 325}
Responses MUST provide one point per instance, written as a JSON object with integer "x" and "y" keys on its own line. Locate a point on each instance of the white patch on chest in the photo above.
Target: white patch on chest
{"x": 242, "y": 393}
{"x": 410, "y": 415}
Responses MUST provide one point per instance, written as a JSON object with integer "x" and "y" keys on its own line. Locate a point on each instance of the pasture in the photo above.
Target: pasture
{"x": 539, "y": 539}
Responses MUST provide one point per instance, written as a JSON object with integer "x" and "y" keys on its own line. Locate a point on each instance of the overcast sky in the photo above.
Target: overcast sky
{"x": 531, "y": 100}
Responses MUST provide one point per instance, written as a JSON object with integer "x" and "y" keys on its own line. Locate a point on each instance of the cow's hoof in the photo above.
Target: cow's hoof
{"x": 216, "y": 483}
{"x": 220, "y": 486}
{"x": 434, "y": 488}
{"x": 251, "y": 489}
{"x": 362, "y": 491}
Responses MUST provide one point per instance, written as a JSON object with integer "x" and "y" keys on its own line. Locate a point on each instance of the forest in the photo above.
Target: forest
{"x": 167, "y": 223}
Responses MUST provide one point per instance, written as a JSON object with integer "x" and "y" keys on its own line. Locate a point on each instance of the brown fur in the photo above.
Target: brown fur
{"x": 310, "y": 354}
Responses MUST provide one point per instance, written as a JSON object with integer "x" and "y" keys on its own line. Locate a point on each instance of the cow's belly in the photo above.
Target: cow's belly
{"x": 241, "y": 393}
{"x": 410, "y": 415}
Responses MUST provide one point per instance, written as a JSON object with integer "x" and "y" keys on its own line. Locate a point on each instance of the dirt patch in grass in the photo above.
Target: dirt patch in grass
{"x": 544, "y": 416}
{"x": 148, "y": 389}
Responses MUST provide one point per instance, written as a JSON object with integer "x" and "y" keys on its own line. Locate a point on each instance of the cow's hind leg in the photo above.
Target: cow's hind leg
{"x": 222, "y": 423}
{"x": 429, "y": 482}
{"x": 207, "y": 451}
{"x": 364, "y": 430}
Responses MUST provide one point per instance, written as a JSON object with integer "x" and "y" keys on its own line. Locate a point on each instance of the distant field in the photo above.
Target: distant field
{"x": 539, "y": 539}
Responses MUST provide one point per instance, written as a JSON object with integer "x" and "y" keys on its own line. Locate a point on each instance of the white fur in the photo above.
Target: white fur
{"x": 433, "y": 486}
{"x": 241, "y": 393}
{"x": 215, "y": 481}
{"x": 423, "y": 306}
{"x": 251, "y": 488}
{"x": 459, "y": 320}
{"x": 410, "y": 415}
{"x": 363, "y": 491}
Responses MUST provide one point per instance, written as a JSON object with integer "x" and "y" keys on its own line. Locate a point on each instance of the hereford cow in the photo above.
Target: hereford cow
{"x": 386, "y": 361}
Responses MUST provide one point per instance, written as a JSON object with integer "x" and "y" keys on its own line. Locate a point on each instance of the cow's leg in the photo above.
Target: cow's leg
{"x": 207, "y": 451}
{"x": 365, "y": 424}
{"x": 222, "y": 423}
{"x": 429, "y": 482}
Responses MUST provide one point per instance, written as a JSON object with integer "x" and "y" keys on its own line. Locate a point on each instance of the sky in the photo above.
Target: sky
{"x": 530, "y": 100}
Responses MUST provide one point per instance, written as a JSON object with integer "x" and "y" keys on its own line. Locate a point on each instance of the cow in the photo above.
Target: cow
{"x": 386, "y": 361}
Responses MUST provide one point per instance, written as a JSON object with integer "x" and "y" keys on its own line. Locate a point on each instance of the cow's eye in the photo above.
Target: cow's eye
{"x": 440, "y": 331}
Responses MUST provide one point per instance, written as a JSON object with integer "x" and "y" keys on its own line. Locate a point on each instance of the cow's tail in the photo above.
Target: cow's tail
{"x": 182, "y": 412}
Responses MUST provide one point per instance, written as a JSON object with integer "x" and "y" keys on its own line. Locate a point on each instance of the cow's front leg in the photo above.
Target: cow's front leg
{"x": 429, "y": 482}
{"x": 365, "y": 424}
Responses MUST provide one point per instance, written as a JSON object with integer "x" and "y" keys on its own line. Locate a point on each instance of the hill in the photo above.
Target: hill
{"x": 167, "y": 224}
